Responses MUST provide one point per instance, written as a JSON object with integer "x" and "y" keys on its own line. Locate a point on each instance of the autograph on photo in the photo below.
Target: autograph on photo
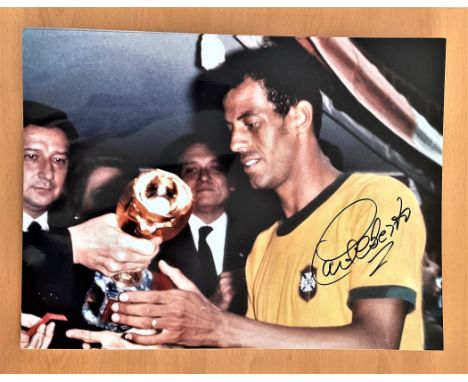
{"x": 373, "y": 245}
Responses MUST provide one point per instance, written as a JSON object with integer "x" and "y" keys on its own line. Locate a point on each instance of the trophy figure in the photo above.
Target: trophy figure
{"x": 156, "y": 203}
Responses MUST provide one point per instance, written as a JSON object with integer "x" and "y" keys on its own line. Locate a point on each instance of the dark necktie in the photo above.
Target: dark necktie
{"x": 34, "y": 227}
{"x": 33, "y": 234}
{"x": 206, "y": 259}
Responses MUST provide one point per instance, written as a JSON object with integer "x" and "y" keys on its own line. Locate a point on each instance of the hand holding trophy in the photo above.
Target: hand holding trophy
{"x": 156, "y": 203}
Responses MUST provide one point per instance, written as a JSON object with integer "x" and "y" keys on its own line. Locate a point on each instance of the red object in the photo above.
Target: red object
{"x": 44, "y": 320}
{"x": 161, "y": 281}
{"x": 106, "y": 314}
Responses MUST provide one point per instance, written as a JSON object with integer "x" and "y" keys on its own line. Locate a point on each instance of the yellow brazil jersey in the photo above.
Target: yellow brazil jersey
{"x": 362, "y": 237}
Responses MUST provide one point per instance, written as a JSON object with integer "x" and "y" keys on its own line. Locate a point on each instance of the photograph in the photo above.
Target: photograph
{"x": 196, "y": 191}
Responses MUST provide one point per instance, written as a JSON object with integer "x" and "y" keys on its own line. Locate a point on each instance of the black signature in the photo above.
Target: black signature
{"x": 374, "y": 245}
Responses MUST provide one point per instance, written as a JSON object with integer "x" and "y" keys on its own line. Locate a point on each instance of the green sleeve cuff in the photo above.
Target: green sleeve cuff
{"x": 384, "y": 291}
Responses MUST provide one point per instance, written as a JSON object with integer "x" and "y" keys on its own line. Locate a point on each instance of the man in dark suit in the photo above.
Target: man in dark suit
{"x": 212, "y": 249}
{"x": 59, "y": 263}
{"x": 48, "y": 275}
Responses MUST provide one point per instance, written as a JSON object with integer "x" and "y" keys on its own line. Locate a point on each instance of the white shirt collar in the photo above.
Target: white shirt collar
{"x": 196, "y": 223}
{"x": 216, "y": 239}
{"x": 41, "y": 220}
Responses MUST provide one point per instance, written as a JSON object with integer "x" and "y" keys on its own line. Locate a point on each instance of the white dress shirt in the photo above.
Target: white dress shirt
{"x": 41, "y": 220}
{"x": 216, "y": 239}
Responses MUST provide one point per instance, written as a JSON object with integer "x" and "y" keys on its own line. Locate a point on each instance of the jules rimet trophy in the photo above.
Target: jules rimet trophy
{"x": 156, "y": 203}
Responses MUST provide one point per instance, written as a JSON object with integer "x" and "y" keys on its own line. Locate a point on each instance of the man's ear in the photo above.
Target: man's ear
{"x": 302, "y": 116}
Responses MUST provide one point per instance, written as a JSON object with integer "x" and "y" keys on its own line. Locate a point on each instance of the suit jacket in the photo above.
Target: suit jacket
{"x": 51, "y": 283}
{"x": 181, "y": 253}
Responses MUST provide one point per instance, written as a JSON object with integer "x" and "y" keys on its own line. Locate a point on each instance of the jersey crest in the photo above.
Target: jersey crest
{"x": 308, "y": 283}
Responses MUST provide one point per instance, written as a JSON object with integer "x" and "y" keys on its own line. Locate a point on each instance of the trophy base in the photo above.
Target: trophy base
{"x": 105, "y": 291}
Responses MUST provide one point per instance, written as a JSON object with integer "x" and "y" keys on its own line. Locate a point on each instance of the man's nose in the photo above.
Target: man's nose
{"x": 204, "y": 174}
{"x": 46, "y": 170}
{"x": 238, "y": 139}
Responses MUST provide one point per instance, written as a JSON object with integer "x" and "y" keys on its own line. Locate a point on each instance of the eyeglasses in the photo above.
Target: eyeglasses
{"x": 192, "y": 171}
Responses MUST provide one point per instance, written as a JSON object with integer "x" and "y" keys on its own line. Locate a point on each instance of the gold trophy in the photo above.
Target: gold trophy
{"x": 156, "y": 203}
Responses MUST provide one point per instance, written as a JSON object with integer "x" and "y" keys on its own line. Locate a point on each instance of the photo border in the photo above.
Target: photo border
{"x": 353, "y": 22}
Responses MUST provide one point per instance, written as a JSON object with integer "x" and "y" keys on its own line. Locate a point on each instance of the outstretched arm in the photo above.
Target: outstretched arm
{"x": 99, "y": 244}
{"x": 186, "y": 317}
{"x": 105, "y": 339}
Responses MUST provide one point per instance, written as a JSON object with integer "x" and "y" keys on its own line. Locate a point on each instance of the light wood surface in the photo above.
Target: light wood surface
{"x": 447, "y": 23}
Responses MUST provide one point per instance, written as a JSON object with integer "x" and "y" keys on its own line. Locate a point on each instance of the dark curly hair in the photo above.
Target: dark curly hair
{"x": 287, "y": 73}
